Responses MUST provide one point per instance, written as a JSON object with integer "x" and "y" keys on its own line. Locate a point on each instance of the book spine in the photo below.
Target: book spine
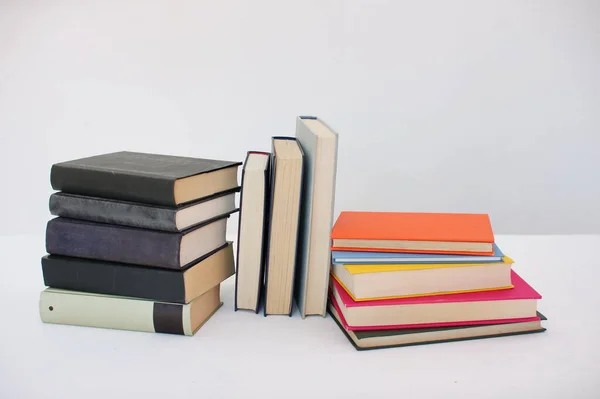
{"x": 265, "y": 238}
{"x": 78, "y": 274}
{"x": 271, "y": 191}
{"x": 106, "y": 184}
{"x": 299, "y": 221}
{"x": 113, "y": 212}
{"x": 84, "y": 310}
{"x": 239, "y": 229}
{"x": 113, "y": 243}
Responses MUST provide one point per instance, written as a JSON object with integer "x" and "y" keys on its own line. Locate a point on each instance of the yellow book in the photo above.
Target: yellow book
{"x": 373, "y": 282}
{"x": 382, "y": 268}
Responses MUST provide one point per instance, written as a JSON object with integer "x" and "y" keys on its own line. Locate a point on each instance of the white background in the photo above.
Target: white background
{"x": 474, "y": 106}
{"x": 467, "y": 106}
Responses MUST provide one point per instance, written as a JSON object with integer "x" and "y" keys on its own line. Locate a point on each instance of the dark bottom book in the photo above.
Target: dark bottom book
{"x": 379, "y": 339}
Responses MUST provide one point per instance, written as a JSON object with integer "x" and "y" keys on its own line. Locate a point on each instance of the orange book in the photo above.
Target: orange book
{"x": 450, "y": 233}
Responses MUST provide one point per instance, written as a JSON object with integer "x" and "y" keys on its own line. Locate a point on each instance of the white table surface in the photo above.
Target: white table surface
{"x": 244, "y": 355}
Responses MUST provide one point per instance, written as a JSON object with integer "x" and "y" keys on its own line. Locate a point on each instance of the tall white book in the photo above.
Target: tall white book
{"x": 320, "y": 145}
{"x": 253, "y": 228}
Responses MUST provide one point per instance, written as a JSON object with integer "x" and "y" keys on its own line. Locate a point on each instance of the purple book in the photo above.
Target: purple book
{"x": 107, "y": 242}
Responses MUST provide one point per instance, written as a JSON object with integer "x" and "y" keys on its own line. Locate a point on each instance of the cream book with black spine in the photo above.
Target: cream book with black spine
{"x": 320, "y": 145}
{"x": 76, "y": 308}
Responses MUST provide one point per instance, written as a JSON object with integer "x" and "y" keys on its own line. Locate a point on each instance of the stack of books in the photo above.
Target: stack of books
{"x": 414, "y": 278}
{"x": 286, "y": 214}
{"x": 138, "y": 241}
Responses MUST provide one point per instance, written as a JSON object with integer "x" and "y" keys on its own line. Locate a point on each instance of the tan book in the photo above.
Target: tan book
{"x": 284, "y": 217}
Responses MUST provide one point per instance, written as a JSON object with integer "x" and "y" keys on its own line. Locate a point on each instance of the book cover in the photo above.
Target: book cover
{"x": 521, "y": 290}
{"x": 414, "y": 228}
{"x": 359, "y": 257}
{"x": 333, "y": 302}
{"x": 145, "y": 178}
{"x": 320, "y": 145}
{"x": 388, "y": 268}
{"x": 423, "y": 280}
{"x": 380, "y": 339}
{"x": 91, "y": 240}
{"x": 265, "y": 231}
{"x": 124, "y": 313}
{"x": 122, "y": 279}
{"x": 144, "y": 216}
{"x": 518, "y": 302}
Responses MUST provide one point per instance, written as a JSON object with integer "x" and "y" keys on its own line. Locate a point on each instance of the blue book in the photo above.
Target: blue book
{"x": 352, "y": 257}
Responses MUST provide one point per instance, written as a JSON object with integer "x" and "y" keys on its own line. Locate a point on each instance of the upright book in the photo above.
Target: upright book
{"x": 452, "y": 233}
{"x": 284, "y": 215}
{"x": 320, "y": 145}
{"x": 147, "y": 178}
{"x": 253, "y": 228}
{"x": 125, "y": 313}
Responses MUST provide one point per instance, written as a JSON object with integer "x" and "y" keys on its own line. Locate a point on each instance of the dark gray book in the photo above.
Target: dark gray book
{"x": 140, "y": 215}
{"x": 122, "y": 279}
{"x": 90, "y": 240}
{"x": 147, "y": 178}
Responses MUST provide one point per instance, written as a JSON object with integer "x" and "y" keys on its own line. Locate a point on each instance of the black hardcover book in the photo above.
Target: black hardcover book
{"x": 90, "y": 240}
{"x": 121, "y": 279}
{"x": 147, "y": 178}
{"x": 284, "y": 225}
{"x": 380, "y": 339}
{"x": 145, "y": 216}
{"x": 261, "y": 227}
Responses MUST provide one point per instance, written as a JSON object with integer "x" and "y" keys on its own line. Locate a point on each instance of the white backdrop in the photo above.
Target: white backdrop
{"x": 467, "y": 106}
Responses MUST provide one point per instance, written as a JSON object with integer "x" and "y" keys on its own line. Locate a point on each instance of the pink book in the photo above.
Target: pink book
{"x": 427, "y": 325}
{"x": 487, "y": 307}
